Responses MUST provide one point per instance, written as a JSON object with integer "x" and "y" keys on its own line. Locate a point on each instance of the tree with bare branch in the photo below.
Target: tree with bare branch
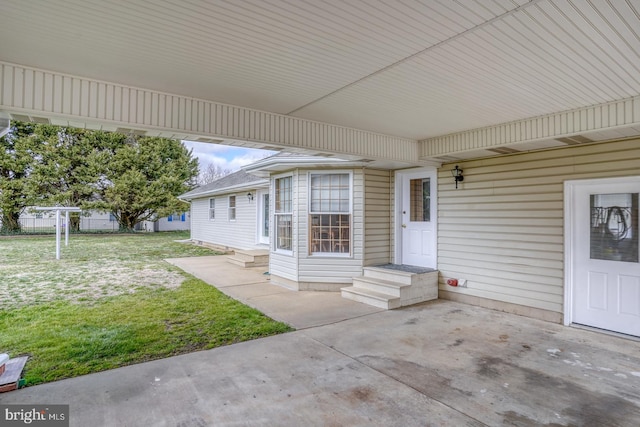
{"x": 211, "y": 173}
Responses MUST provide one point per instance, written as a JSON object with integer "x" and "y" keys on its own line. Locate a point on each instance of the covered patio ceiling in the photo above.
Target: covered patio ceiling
{"x": 441, "y": 72}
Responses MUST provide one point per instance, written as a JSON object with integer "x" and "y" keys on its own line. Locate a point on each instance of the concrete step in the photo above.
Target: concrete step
{"x": 372, "y": 298}
{"x": 244, "y": 263}
{"x": 250, "y": 258}
{"x": 252, "y": 255}
{"x": 379, "y": 285}
{"x": 400, "y": 277}
{"x": 392, "y": 286}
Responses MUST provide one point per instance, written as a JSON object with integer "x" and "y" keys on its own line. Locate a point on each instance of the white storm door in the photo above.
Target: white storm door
{"x": 418, "y": 213}
{"x": 263, "y": 217}
{"x": 606, "y": 267}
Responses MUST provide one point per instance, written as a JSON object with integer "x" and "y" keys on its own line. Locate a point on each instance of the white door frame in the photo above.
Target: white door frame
{"x": 399, "y": 177}
{"x": 569, "y": 236}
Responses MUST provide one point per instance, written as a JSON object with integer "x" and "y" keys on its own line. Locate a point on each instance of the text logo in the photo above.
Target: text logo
{"x": 34, "y": 415}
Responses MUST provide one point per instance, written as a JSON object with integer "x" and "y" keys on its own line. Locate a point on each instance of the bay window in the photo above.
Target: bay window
{"x": 283, "y": 213}
{"x": 330, "y": 213}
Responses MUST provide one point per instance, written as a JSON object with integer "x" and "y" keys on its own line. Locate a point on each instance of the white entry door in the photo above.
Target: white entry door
{"x": 263, "y": 217}
{"x": 417, "y": 215}
{"x": 605, "y": 254}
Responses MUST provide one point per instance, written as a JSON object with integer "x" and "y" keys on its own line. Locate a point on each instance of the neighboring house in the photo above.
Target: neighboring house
{"x": 231, "y": 212}
{"x": 38, "y": 221}
{"x": 175, "y": 222}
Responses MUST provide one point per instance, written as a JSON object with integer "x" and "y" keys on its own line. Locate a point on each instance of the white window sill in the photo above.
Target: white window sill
{"x": 329, "y": 255}
{"x": 283, "y": 252}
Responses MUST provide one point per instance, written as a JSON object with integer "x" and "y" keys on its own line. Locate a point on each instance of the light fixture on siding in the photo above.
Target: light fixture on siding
{"x": 457, "y": 175}
{"x": 249, "y": 196}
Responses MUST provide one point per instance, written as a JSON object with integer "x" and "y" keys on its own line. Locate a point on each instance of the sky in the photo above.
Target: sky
{"x": 226, "y": 156}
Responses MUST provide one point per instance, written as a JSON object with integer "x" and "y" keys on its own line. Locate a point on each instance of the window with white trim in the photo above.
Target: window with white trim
{"x": 283, "y": 213}
{"x": 330, "y": 213}
{"x": 232, "y": 208}
{"x": 212, "y": 208}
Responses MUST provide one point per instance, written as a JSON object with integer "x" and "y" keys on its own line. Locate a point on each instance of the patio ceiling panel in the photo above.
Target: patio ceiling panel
{"x": 549, "y": 57}
{"x": 425, "y": 70}
{"x": 275, "y": 56}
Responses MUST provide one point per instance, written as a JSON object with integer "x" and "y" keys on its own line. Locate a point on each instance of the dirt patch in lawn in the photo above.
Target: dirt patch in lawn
{"x": 91, "y": 268}
{"x": 82, "y": 283}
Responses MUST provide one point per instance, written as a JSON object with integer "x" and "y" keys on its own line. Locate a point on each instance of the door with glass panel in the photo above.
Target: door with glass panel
{"x": 606, "y": 263}
{"x": 263, "y": 217}
{"x": 418, "y": 218}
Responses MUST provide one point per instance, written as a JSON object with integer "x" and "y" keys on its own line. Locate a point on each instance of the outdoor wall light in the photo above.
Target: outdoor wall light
{"x": 249, "y": 196}
{"x": 457, "y": 175}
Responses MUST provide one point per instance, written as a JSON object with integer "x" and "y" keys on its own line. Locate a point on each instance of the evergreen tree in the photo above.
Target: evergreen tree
{"x": 143, "y": 179}
{"x": 68, "y": 166}
{"x": 136, "y": 179}
{"x": 15, "y": 163}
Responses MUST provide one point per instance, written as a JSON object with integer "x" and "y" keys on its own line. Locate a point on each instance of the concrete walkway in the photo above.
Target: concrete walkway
{"x": 251, "y": 286}
{"x": 439, "y": 363}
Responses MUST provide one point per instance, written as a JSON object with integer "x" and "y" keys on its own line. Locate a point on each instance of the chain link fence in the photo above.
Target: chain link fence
{"x": 45, "y": 225}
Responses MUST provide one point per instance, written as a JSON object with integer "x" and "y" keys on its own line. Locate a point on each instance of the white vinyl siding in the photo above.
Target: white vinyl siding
{"x": 502, "y": 230}
{"x": 281, "y": 265}
{"x": 238, "y": 234}
{"x": 378, "y": 206}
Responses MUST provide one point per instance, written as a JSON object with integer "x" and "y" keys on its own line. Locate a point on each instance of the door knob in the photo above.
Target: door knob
{"x": 404, "y": 225}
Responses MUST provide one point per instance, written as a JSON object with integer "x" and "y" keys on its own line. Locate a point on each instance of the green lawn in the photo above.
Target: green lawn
{"x": 111, "y": 301}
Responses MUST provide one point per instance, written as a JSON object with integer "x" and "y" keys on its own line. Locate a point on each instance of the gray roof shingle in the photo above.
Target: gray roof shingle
{"x": 235, "y": 179}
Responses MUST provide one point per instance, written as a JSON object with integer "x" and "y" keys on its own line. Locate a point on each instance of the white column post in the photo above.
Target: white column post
{"x": 66, "y": 228}
{"x": 57, "y": 234}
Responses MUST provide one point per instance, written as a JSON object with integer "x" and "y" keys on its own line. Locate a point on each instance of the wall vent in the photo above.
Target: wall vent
{"x": 503, "y": 150}
{"x": 574, "y": 140}
{"x": 210, "y": 140}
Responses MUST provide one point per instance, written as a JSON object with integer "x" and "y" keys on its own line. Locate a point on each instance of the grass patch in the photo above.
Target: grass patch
{"x": 91, "y": 267}
{"x": 70, "y": 327}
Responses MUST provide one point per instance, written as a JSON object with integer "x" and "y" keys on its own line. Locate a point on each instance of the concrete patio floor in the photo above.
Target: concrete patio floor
{"x": 439, "y": 363}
